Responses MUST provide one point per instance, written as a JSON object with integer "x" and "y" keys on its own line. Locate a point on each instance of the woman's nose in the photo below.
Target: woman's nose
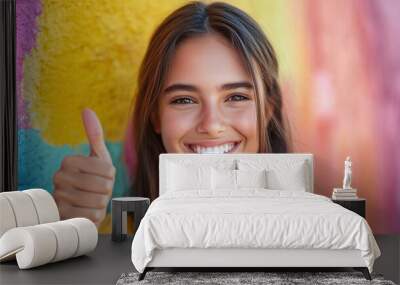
{"x": 212, "y": 121}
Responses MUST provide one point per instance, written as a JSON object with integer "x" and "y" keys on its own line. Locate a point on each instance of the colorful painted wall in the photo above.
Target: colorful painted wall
{"x": 340, "y": 72}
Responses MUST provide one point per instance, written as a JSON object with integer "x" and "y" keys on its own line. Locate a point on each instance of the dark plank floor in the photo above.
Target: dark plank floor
{"x": 110, "y": 260}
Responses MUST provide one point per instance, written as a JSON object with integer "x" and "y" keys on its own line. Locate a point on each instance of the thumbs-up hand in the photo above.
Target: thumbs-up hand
{"x": 83, "y": 185}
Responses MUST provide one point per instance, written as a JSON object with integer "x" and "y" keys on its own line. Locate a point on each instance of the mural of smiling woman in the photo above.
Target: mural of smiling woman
{"x": 214, "y": 91}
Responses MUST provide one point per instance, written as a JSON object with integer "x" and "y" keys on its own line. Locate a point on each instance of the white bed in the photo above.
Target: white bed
{"x": 285, "y": 225}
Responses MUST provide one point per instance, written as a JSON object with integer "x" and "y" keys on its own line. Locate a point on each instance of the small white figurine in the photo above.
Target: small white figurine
{"x": 347, "y": 174}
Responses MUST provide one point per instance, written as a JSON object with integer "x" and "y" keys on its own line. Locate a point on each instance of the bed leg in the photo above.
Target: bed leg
{"x": 364, "y": 271}
{"x": 143, "y": 274}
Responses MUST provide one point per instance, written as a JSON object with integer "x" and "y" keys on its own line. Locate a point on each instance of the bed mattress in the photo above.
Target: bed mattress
{"x": 251, "y": 219}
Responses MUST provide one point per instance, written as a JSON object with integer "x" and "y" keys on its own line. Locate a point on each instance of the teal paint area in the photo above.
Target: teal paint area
{"x": 39, "y": 161}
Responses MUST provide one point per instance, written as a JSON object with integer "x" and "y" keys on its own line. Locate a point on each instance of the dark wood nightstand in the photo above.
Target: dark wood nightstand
{"x": 357, "y": 205}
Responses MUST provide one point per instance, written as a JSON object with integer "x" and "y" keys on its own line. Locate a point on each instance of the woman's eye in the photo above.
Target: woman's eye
{"x": 183, "y": 100}
{"x": 237, "y": 97}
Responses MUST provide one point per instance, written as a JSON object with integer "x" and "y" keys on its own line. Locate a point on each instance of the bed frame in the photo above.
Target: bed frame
{"x": 249, "y": 259}
{"x": 261, "y": 259}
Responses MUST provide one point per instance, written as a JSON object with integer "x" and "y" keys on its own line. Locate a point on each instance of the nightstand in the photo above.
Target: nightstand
{"x": 120, "y": 206}
{"x": 356, "y": 205}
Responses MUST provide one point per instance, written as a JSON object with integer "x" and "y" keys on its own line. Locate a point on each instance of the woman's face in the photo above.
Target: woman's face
{"x": 208, "y": 101}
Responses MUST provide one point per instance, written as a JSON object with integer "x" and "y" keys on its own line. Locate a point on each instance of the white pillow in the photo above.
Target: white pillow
{"x": 223, "y": 179}
{"x": 292, "y": 178}
{"x": 251, "y": 178}
{"x": 181, "y": 177}
{"x": 235, "y": 179}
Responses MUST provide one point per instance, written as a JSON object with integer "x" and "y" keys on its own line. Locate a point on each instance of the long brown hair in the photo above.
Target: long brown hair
{"x": 247, "y": 38}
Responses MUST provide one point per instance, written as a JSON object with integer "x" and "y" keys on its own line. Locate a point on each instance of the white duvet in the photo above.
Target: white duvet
{"x": 251, "y": 218}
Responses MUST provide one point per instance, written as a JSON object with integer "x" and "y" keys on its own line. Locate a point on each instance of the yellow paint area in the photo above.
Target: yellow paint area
{"x": 87, "y": 55}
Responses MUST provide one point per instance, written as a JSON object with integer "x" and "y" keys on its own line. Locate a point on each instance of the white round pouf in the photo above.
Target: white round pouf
{"x": 7, "y": 220}
{"x": 23, "y": 208}
{"x": 33, "y": 246}
{"x": 87, "y": 235}
{"x": 67, "y": 239}
{"x": 45, "y": 205}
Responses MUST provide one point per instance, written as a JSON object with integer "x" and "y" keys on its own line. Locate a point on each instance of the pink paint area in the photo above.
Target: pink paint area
{"x": 27, "y": 12}
{"x": 354, "y": 107}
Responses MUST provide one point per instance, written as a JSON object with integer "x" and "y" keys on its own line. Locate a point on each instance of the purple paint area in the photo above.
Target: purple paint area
{"x": 27, "y": 12}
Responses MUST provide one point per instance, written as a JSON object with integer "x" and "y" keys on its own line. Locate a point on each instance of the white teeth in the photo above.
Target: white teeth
{"x": 213, "y": 150}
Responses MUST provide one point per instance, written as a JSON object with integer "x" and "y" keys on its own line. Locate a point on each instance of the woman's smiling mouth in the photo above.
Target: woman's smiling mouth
{"x": 214, "y": 149}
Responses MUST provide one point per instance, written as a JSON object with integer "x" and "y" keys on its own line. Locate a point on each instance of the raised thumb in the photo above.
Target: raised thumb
{"x": 94, "y": 133}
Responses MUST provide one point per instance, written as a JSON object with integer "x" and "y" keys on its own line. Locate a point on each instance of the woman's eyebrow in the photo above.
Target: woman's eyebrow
{"x": 180, "y": 87}
{"x": 234, "y": 85}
